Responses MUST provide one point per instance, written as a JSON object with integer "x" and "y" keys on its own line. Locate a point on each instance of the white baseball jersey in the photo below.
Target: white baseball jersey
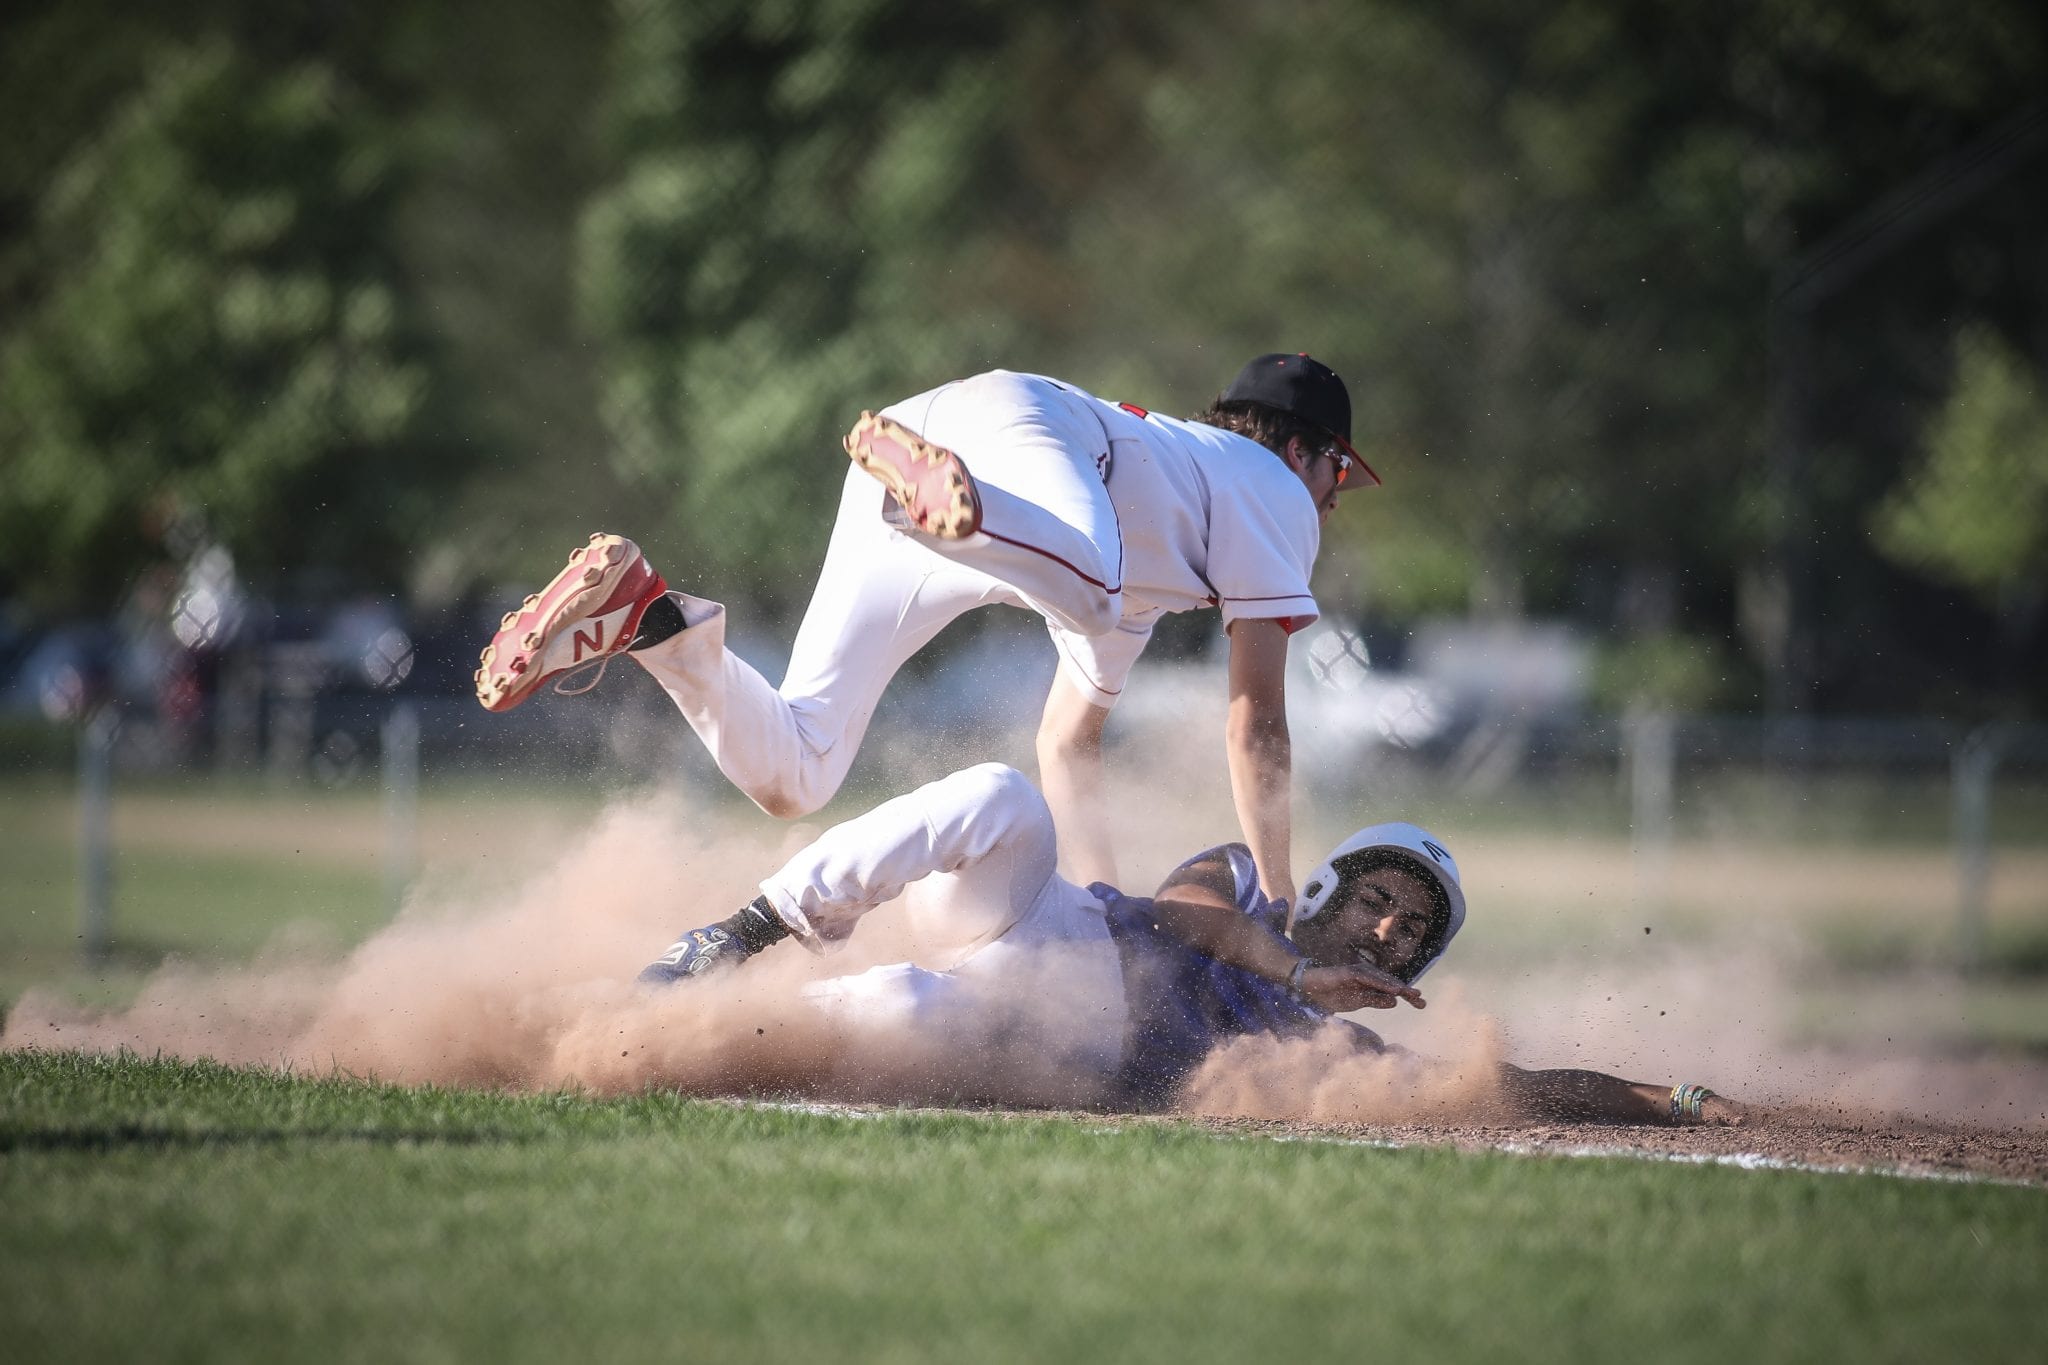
{"x": 1208, "y": 519}
{"x": 1098, "y": 517}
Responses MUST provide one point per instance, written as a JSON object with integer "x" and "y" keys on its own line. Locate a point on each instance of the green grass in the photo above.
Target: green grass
{"x": 198, "y": 904}
{"x": 165, "y": 1211}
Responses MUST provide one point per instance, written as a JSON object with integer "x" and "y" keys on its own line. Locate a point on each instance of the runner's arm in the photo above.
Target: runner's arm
{"x": 1575, "y": 1096}
{"x": 1070, "y": 775}
{"x": 1207, "y": 921}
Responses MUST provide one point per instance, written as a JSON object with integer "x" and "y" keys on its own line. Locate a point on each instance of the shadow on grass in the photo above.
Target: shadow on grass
{"x": 117, "y": 1137}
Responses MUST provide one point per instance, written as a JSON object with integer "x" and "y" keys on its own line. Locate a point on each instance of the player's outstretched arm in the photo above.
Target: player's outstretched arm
{"x": 1261, "y": 756}
{"x": 1575, "y": 1096}
{"x": 1070, "y": 775}
{"x": 1202, "y": 916}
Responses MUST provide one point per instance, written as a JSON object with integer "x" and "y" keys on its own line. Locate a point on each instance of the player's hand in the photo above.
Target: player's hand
{"x": 1356, "y": 986}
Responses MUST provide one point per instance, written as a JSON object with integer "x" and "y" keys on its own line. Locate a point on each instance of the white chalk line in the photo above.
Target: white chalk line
{"x": 1746, "y": 1161}
{"x": 1743, "y": 1161}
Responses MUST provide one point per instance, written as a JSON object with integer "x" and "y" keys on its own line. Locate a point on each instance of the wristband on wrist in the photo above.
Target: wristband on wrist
{"x": 1294, "y": 977}
{"x": 1687, "y": 1101}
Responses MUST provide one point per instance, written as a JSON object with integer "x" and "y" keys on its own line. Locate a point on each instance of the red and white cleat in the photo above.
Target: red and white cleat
{"x": 928, "y": 482}
{"x": 587, "y": 614}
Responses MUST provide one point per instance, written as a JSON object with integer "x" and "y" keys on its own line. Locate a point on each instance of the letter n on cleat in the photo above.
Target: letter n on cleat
{"x": 594, "y": 640}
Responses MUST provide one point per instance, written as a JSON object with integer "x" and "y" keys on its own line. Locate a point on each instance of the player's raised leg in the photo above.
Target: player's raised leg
{"x": 1007, "y": 473}
{"x": 985, "y": 829}
{"x": 1012, "y": 966}
{"x": 930, "y": 485}
{"x": 880, "y": 598}
{"x": 591, "y": 611}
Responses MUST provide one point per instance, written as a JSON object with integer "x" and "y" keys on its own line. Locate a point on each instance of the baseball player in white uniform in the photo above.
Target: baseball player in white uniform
{"x": 1122, "y": 996}
{"x": 1012, "y": 488}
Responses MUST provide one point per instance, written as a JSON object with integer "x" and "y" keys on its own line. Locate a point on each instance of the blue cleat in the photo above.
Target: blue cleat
{"x": 694, "y": 954}
{"x": 718, "y": 947}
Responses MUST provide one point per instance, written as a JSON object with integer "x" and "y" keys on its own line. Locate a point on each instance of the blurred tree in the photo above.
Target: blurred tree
{"x": 217, "y": 332}
{"x": 1539, "y": 241}
{"x": 500, "y": 107}
{"x": 1661, "y": 673}
{"x": 1976, "y": 513}
{"x": 731, "y": 267}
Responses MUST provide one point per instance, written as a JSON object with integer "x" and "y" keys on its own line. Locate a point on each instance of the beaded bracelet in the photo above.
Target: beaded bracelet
{"x": 1687, "y": 1101}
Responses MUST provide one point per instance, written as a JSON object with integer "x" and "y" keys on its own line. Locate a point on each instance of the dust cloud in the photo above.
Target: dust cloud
{"x": 1325, "y": 1079}
{"x": 522, "y": 978}
{"x": 525, "y": 982}
{"x": 1727, "y": 1018}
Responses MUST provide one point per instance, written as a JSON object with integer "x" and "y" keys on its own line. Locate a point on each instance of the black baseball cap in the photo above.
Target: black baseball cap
{"x": 1301, "y": 387}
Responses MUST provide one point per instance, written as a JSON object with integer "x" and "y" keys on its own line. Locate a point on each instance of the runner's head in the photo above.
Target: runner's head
{"x": 1389, "y": 895}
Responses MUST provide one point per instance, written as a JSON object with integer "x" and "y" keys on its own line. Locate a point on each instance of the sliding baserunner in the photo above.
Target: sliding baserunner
{"x": 1025, "y": 972}
{"x": 1010, "y": 488}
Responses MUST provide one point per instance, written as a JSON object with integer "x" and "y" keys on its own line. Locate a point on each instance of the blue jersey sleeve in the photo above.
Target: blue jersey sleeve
{"x": 1181, "y": 1003}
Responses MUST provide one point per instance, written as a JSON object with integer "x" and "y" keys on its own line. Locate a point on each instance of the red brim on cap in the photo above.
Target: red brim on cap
{"x": 1374, "y": 479}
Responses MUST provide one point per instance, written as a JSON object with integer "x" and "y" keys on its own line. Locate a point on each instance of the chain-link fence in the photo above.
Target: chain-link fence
{"x": 1369, "y": 746}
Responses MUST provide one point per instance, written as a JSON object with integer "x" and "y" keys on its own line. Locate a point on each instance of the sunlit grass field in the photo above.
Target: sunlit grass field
{"x": 155, "y": 1209}
{"x": 167, "y": 1211}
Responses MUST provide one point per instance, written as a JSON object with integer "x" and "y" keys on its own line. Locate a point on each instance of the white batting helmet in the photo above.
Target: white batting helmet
{"x": 1421, "y": 847}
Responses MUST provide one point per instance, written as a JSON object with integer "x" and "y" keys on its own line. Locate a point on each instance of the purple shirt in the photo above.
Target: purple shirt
{"x": 1180, "y": 1002}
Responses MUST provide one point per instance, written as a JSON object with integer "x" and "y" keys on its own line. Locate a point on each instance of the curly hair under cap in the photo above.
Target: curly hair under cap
{"x": 1270, "y": 427}
{"x": 1366, "y": 861}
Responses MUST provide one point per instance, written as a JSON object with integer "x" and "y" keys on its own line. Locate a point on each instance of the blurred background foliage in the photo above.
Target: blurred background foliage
{"x": 1976, "y": 513}
{"x": 385, "y": 296}
{"x": 216, "y": 335}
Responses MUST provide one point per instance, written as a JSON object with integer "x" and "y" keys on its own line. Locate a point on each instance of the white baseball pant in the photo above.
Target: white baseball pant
{"x": 1022, "y": 971}
{"x": 1049, "y": 541}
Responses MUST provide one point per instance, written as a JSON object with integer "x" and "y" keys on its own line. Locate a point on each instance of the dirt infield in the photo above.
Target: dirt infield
{"x": 1783, "y": 1137}
{"x": 1788, "y": 1138}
